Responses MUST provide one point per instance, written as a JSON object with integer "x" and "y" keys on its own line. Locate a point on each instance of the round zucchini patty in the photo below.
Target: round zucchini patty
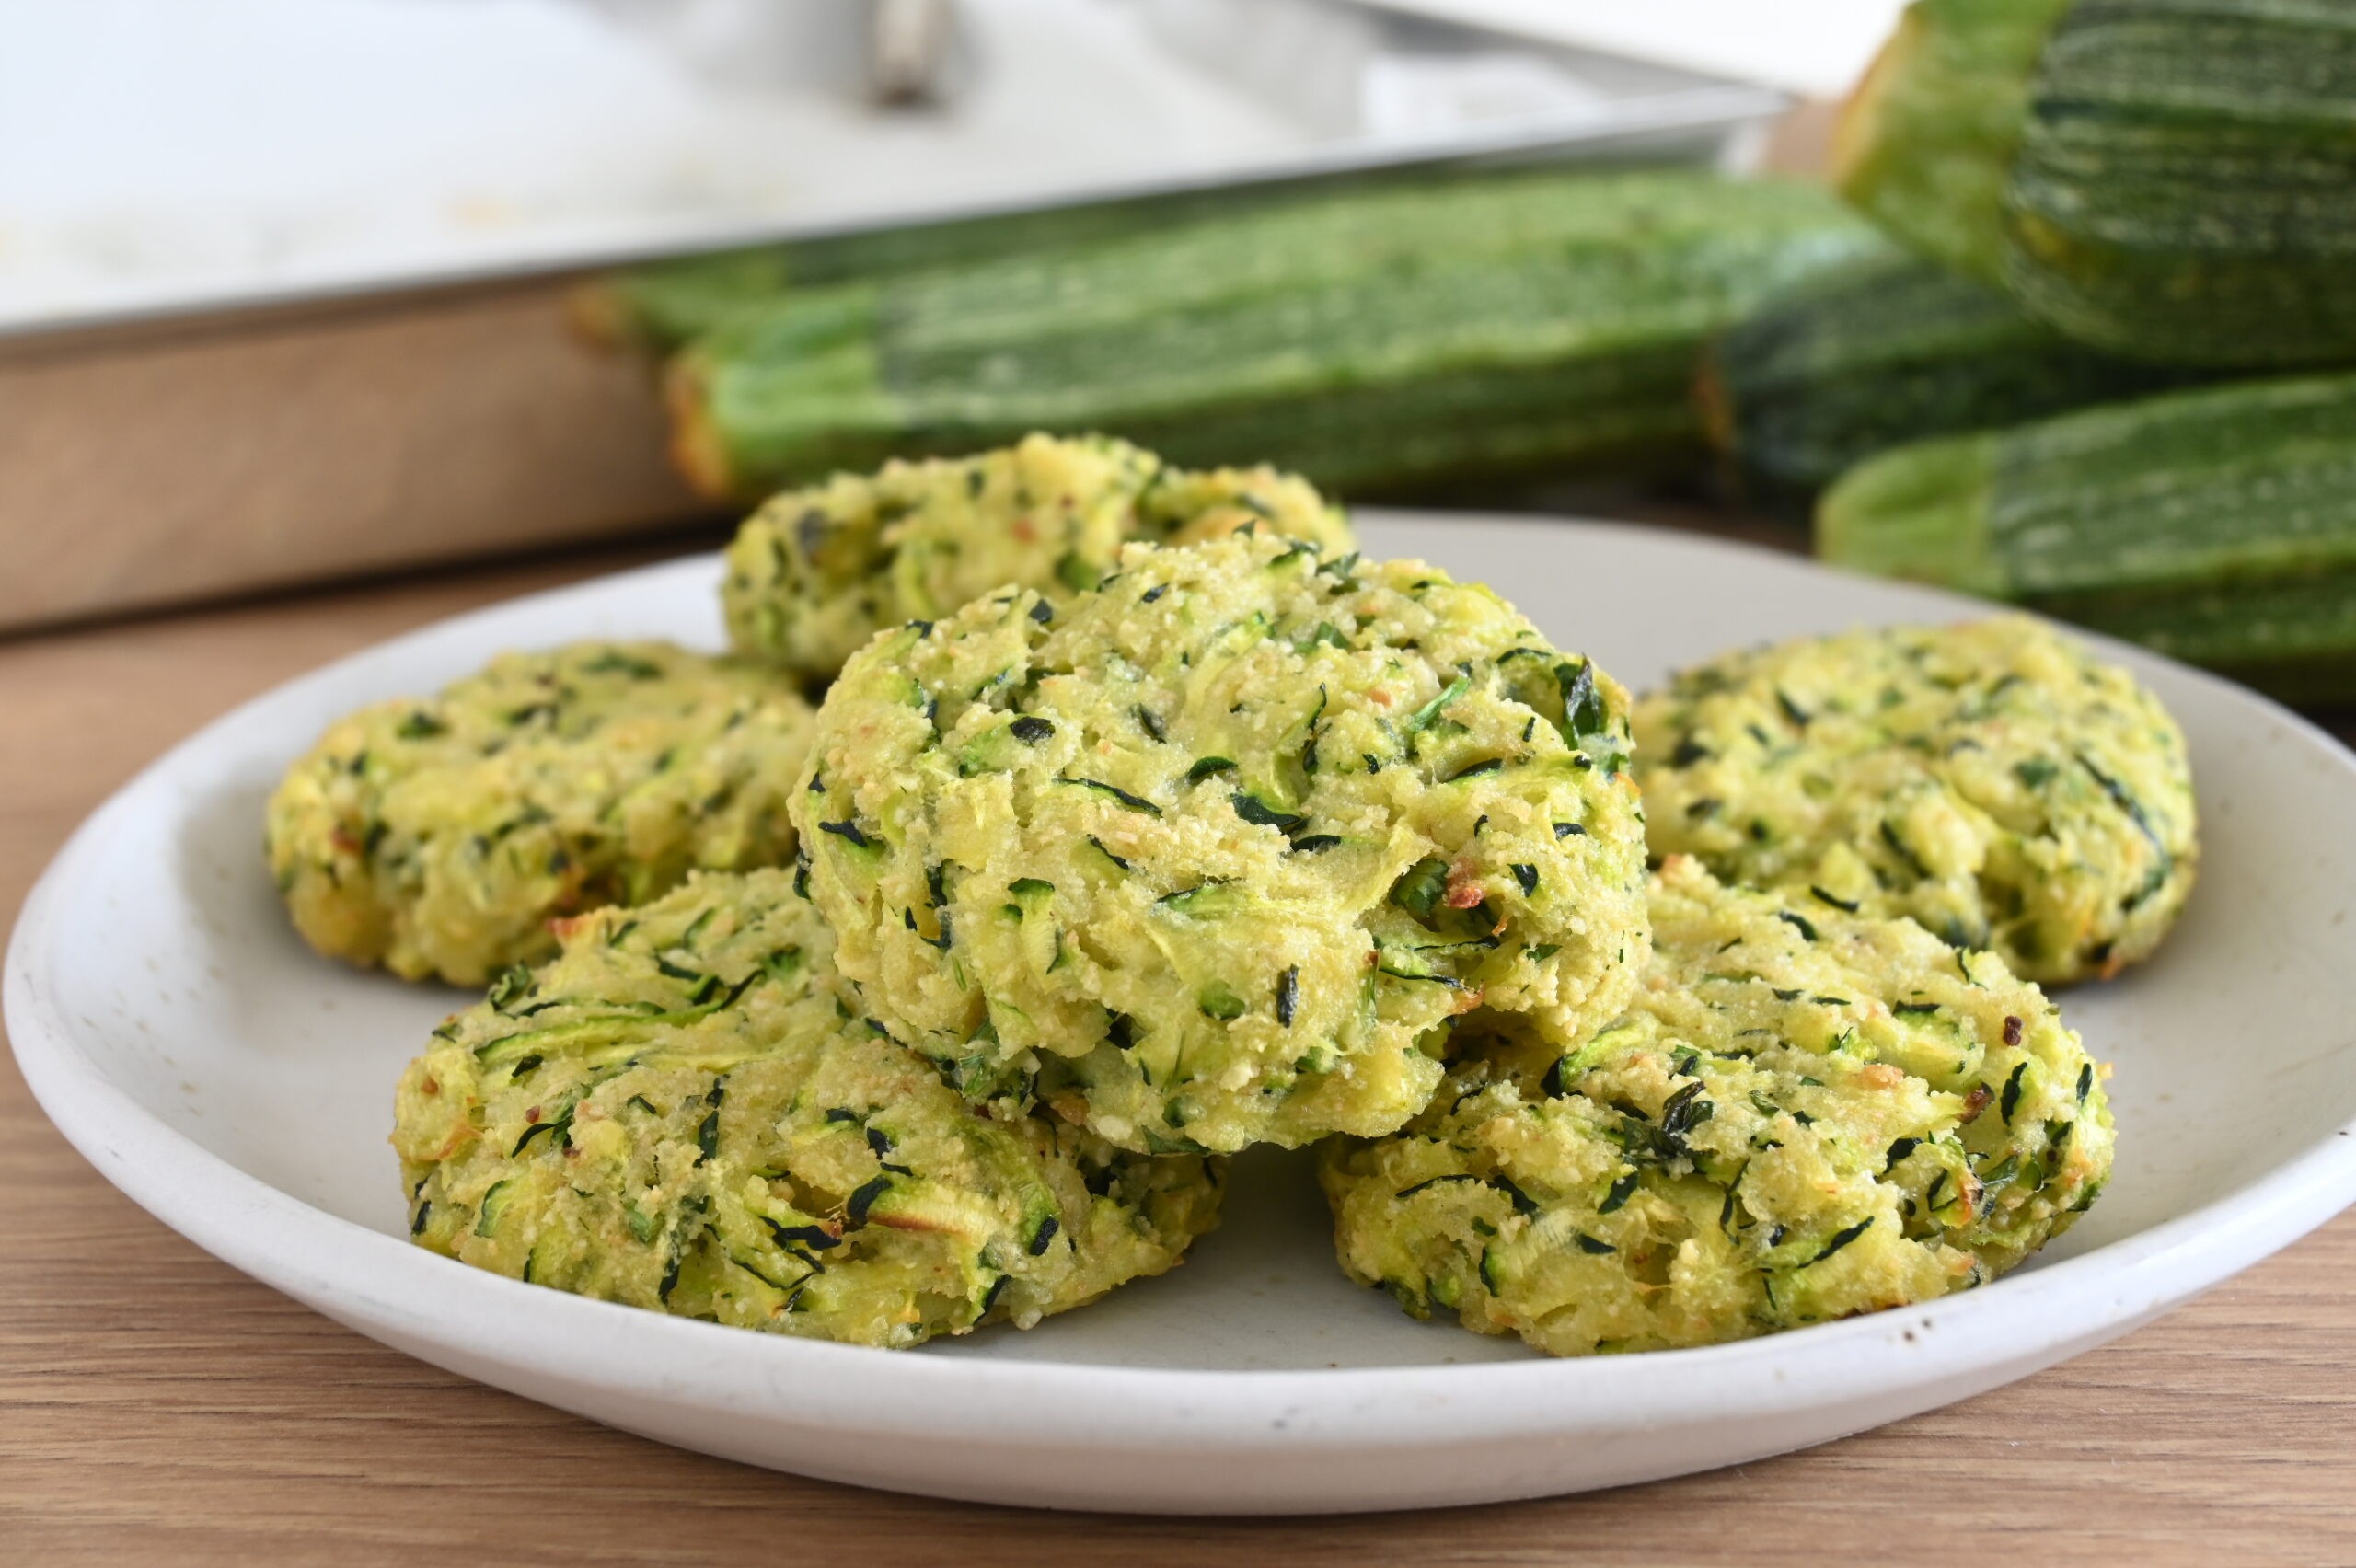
{"x": 686, "y": 1112}
{"x": 1214, "y": 854}
{"x": 817, "y": 571}
{"x": 439, "y": 835}
{"x": 1989, "y": 779}
{"x": 1804, "y": 1115}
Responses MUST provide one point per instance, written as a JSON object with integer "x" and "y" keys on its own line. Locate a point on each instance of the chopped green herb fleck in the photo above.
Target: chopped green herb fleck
{"x": 1583, "y": 710}
{"x": 1135, "y": 803}
{"x": 1841, "y": 1238}
{"x": 864, "y": 1199}
{"x": 513, "y": 982}
{"x": 1423, "y": 717}
{"x": 1419, "y": 888}
{"x": 1041, "y": 1238}
{"x": 1433, "y": 1182}
{"x": 1252, "y": 809}
{"x": 1522, "y": 1201}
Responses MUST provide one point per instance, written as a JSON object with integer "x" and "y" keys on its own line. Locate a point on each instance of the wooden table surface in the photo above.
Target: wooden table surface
{"x": 158, "y": 1406}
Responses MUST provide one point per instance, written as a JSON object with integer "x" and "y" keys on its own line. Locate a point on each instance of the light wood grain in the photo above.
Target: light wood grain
{"x": 157, "y": 1406}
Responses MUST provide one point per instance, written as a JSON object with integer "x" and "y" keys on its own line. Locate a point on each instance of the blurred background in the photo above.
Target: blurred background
{"x": 2046, "y": 300}
{"x": 167, "y": 153}
{"x": 290, "y": 289}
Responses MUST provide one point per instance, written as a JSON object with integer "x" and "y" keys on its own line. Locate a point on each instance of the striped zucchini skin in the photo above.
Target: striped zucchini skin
{"x": 1890, "y": 350}
{"x": 2295, "y": 640}
{"x": 657, "y": 306}
{"x": 1373, "y": 340}
{"x": 2217, "y": 525}
{"x": 2167, "y": 180}
{"x": 660, "y": 305}
{"x": 2185, "y": 184}
{"x": 1925, "y": 144}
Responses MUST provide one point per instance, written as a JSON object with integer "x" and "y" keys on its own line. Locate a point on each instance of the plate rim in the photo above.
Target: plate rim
{"x": 321, "y": 1257}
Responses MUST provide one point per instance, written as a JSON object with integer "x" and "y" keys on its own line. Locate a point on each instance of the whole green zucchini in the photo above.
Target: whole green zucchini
{"x": 2177, "y": 181}
{"x": 1888, "y": 350}
{"x": 658, "y": 305}
{"x": 2216, "y": 525}
{"x": 1369, "y": 340}
{"x": 1925, "y": 143}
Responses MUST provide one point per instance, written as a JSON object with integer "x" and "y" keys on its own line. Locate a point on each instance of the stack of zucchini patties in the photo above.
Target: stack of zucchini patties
{"x": 1838, "y": 1087}
{"x": 1141, "y": 821}
{"x": 2105, "y": 363}
{"x": 672, "y": 1095}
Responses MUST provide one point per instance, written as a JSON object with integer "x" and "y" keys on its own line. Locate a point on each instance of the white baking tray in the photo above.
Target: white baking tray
{"x": 171, "y": 157}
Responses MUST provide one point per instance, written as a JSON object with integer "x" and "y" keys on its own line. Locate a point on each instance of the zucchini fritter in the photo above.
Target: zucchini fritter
{"x": 1214, "y": 854}
{"x": 1805, "y": 1115}
{"x": 686, "y": 1112}
{"x": 439, "y": 835}
{"x": 1989, "y": 779}
{"x": 817, "y": 571}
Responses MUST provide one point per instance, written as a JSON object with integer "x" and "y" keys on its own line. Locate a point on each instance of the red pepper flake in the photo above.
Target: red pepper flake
{"x": 1463, "y": 890}
{"x": 1975, "y": 1101}
{"x": 430, "y": 1086}
{"x": 1023, "y": 530}
{"x": 534, "y": 1115}
{"x": 2012, "y": 1031}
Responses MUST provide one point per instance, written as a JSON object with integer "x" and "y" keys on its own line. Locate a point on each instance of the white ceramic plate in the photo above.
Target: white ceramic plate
{"x": 240, "y": 1090}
